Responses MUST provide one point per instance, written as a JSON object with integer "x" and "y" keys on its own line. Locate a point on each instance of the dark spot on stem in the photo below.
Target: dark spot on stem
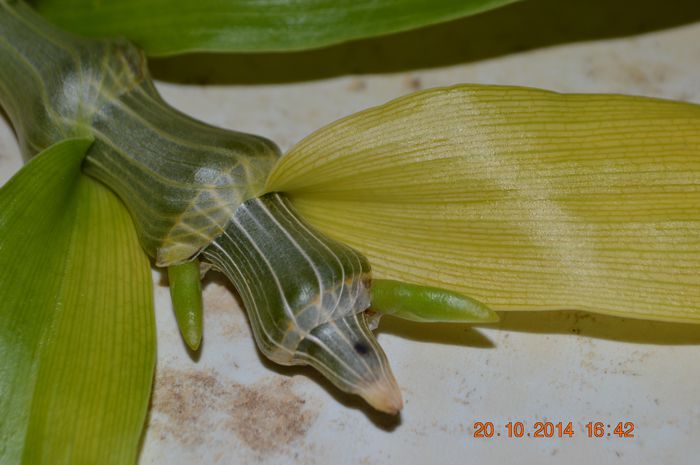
{"x": 361, "y": 348}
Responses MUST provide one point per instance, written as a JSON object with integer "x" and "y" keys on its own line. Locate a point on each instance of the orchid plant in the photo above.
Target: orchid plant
{"x": 447, "y": 205}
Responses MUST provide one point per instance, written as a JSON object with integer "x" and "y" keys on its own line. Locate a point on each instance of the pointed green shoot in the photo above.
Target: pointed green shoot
{"x": 186, "y": 293}
{"x": 427, "y": 304}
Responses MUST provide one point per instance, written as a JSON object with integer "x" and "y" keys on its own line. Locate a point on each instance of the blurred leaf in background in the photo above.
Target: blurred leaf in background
{"x": 167, "y": 27}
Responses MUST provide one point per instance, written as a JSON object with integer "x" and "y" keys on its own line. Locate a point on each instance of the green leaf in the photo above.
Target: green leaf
{"x": 166, "y": 27}
{"x": 520, "y": 198}
{"x": 76, "y": 320}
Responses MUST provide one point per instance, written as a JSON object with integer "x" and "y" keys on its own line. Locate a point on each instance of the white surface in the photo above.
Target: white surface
{"x": 232, "y": 407}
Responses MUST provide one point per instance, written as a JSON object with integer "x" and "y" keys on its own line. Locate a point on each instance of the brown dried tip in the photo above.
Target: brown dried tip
{"x": 384, "y": 395}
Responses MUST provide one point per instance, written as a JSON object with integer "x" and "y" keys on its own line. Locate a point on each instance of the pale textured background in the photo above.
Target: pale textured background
{"x": 229, "y": 406}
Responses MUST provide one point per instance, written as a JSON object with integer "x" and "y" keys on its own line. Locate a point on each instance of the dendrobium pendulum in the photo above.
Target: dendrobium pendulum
{"x": 197, "y": 191}
{"x": 444, "y": 205}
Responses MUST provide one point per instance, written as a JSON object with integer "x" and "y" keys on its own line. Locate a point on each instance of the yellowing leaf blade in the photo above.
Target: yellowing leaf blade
{"x": 523, "y": 199}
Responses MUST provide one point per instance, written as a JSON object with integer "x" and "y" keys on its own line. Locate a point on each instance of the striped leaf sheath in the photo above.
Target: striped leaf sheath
{"x": 306, "y": 297}
{"x": 183, "y": 183}
{"x": 181, "y": 179}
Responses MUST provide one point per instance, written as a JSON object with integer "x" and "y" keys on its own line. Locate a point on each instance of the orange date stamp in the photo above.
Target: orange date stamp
{"x": 549, "y": 429}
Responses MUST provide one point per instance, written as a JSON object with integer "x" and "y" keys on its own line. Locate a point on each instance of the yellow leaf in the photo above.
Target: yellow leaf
{"x": 521, "y": 198}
